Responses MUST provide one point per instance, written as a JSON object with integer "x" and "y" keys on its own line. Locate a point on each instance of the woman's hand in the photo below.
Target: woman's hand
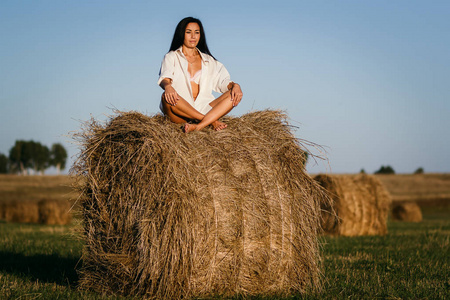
{"x": 236, "y": 94}
{"x": 170, "y": 95}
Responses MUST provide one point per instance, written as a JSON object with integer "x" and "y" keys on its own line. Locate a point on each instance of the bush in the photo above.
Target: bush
{"x": 419, "y": 171}
{"x": 385, "y": 170}
{"x": 4, "y": 161}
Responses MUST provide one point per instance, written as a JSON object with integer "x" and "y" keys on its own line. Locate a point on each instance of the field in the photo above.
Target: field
{"x": 425, "y": 189}
{"x": 412, "y": 261}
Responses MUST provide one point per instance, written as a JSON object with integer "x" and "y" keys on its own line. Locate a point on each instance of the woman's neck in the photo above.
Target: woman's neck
{"x": 189, "y": 51}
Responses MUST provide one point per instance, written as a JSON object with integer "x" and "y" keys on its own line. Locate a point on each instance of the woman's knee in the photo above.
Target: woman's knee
{"x": 163, "y": 99}
{"x": 164, "y": 106}
{"x": 224, "y": 96}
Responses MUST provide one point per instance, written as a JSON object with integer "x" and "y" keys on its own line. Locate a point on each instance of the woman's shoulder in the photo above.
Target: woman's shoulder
{"x": 208, "y": 58}
{"x": 170, "y": 57}
{"x": 171, "y": 53}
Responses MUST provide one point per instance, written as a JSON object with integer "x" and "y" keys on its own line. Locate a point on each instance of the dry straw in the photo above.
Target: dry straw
{"x": 360, "y": 201}
{"x": 407, "y": 211}
{"x": 169, "y": 215}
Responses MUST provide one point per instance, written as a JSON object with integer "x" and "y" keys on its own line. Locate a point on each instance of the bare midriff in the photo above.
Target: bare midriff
{"x": 195, "y": 89}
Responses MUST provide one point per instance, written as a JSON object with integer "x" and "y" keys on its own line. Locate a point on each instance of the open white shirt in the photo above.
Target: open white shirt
{"x": 214, "y": 77}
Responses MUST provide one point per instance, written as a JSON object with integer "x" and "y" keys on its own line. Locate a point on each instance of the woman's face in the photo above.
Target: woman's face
{"x": 191, "y": 35}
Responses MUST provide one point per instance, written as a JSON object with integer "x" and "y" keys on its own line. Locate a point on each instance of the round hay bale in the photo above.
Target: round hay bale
{"x": 21, "y": 212}
{"x": 360, "y": 202}
{"x": 2, "y": 211}
{"x": 54, "y": 212}
{"x": 407, "y": 211}
{"x": 169, "y": 215}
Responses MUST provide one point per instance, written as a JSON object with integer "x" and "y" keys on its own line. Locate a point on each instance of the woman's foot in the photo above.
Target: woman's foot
{"x": 217, "y": 125}
{"x": 189, "y": 127}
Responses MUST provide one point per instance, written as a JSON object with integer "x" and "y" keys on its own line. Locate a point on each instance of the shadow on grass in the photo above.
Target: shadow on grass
{"x": 44, "y": 268}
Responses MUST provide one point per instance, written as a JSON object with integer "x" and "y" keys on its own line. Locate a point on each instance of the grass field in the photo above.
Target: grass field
{"x": 412, "y": 261}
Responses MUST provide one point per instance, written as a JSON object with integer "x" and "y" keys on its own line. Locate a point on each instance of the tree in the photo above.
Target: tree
{"x": 58, "y": 157}
{"x": 419, "y": 171}
{"x": 4, "y": 162}
{"x": 362, "y": 171}
{"x": 26, "y": 155}
{"x": 19, "y": 157}
{"x": 385, "y": 170}
{"x": 40, "y": 157}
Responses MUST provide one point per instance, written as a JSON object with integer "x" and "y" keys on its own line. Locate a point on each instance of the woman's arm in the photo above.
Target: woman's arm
{"x": 170, "y": 95}
{"x": 166, "y": 74}
{"x": 222, "y": 83}
{"x": 236, "y": 92}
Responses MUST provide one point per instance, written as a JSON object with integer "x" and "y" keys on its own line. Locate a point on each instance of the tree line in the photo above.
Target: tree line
{"x": 28, "y": 157}
{"x": 389, "y": 170}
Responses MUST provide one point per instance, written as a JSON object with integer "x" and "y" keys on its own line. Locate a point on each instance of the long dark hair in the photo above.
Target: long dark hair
{"x": 178, "y": 36}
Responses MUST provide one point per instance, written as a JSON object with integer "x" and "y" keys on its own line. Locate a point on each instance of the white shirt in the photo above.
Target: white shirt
{"x": 214, "y": 77}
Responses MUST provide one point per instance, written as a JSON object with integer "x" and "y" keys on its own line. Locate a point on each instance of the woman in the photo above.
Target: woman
{"x": 189, "y": 73}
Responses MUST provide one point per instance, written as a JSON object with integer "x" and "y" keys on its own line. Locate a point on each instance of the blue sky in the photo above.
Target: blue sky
{"x": 367, "y": 79}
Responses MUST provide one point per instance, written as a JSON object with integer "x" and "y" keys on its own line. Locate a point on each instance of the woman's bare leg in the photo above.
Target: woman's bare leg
{"x": 172, "y": 116}
{"x": 220, "y": 107}
{"x": 217, "y": 125}
{"x": 182, "y": 112}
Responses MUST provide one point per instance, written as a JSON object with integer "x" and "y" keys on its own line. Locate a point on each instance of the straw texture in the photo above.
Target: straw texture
{"x": 169, "y": 215}
{"x": 360, "y": 201}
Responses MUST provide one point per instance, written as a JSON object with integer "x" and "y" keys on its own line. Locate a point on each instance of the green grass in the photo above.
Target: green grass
{"x": 39, "y": 261}
{"x": 411, "y": 262}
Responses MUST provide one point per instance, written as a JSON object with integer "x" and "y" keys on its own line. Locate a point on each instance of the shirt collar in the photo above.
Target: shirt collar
{"x": 203, "y": 56}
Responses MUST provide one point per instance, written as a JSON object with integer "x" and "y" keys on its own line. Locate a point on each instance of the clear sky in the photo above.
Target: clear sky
{"x": 367, "y": 79}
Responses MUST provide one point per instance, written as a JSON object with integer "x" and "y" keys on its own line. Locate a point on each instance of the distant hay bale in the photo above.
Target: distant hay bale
{"x": 360, "y": 201}
{"x": 20, "y": 212}
{"x": 45, "y": 211}
{"x": 169, "y": 215}
{"x": 2, "y": 211}
{"x": 407, "y": 211}
{"x": 54, "y": 212}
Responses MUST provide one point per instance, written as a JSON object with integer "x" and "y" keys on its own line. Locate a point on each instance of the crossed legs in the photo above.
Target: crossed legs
{"x": 183, "y": 112}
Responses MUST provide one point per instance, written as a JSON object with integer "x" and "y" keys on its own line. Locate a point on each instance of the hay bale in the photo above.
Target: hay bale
{"x": 54, "y": 212}
{"x": 20, "y": 212}
{"x": 169, "y": 215}
{"x": 407, "y": 211}
{"x": 2, "y": 211}
{"x": 360, "y": 201}
{"x": 50, "y": 212}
